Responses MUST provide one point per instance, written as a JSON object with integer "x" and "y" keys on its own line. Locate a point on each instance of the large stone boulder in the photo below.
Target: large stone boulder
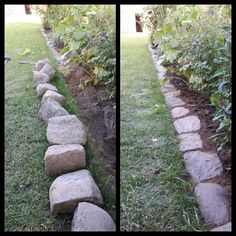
{"x": 213, "y": 203}
{"x": 189, "y": 141}
{"x": 65, "y": 130}
{"x": 69, "y": 189}
{"x": 223, "y": 228}
{"x": 64, "y": 158}
{"x": 172, "y": 100}
{"x": 40, "y": 78}
{"x": 51, "y": 108}
{"x": 42, "y": 89}
{"x": 178, "y": 112}
{"x": 89, "y": 217}
{"x": 202, "y": 165}
{"x": 187, "y": 124}
{"x": 47, "y": 69}
{"x": 54, "y": 96}
{"x": 40, "y": 64}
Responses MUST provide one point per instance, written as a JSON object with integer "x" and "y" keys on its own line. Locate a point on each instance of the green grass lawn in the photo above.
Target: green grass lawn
{"x": 155, "y": 192}
{"x": 27, "y": 205}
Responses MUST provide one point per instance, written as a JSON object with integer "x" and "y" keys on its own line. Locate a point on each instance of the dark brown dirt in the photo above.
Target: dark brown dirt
{"x": 200, "y": 105}
{"x": 97, "y": 113}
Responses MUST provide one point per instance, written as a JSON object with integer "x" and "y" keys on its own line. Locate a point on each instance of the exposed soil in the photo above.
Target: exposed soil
{"x": 200, "y": 105}
{"x": 97, "y": 113}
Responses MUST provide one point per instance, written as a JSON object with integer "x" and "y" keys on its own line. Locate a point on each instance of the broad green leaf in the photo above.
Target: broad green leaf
{"x": 81, "y": 87}
{"x": 214, "y": 100}
{"x": 64, "y": 50}
{"x": 168, "y": 28}
{"x": 194, "y": 15}
{"x": 187, "y": 73}
{"x": 95, "y": 81}
{"x": 26, "y": 51}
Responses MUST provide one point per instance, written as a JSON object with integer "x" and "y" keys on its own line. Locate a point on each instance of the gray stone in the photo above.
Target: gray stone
{"x": 65, "y": 130}
{"x": 42, "y": 88}
{"x": 202, "y": 165}
{"x": 178, "y": 112}
{"x": 51, "y": 108}
{"x": 40, "y": 78}
{"x": 69, "y": 189}
{"x": 41, "y": 64}
{"x": 89, "y": 217}
{"x": 54, "y": 96}
{"x": 161, "y": 71}
{"x": 190, "y": 141}
{"x": 224, "y": 228}
{"x": 187, "y": 124}
{"x": 213, "y": 203}
{"x": 172, "y": 100}
{"x": 47, "y": 69}
{"x": 64, "y": 158}
{"x": 168, "y": 88}
{"x": 172, "y": 93}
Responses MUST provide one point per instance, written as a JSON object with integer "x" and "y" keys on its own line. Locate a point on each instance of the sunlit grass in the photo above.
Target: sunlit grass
{"x": 154, "y": 188}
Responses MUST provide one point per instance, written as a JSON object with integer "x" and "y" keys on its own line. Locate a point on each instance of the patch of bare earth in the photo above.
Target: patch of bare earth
{"x": 97, "y": 113}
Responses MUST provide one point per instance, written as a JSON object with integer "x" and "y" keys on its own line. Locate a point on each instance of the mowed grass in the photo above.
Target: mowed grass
{"x": 155, "y": 192}
{"x": 27, "y": 206}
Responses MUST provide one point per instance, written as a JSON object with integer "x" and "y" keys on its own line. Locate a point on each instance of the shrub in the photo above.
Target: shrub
{"x": 196, "y": 41}
{"x": 89, "y": 38}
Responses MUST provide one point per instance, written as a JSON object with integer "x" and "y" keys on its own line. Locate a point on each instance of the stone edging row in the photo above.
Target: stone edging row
{"x": 74, "y": 190}
{"x": 200, "y": 165}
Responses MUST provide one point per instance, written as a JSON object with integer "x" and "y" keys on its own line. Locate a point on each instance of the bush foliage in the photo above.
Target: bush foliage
{"x": 88, "y": 36}
{"x": 196, "y": 41}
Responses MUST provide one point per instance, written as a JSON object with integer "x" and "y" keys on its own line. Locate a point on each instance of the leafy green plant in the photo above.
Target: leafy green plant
{"x": 89, "y": 38}
{"x": 196, "y": 41}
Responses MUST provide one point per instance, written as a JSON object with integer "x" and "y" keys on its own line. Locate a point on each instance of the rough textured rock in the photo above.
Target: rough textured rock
{"x": 213, "y": 203}
{"x": 202, "y": 165}
{"x": 190, "y": 141}
{"x": 41, "y": 64}
{"x": 69, "y": 189}
{"x": 160, "y": 70}
{"x": 51, "y": 108}
{"x": 168, "y": 88}
{"x": 89, "y": 217}
{"x": 65, "y": 130}
{"x": 64, "y": 158}
{"x": 42, "y": 88}
{"x": 187, "y": 124}
{"x": 178, "y": 112}
{"x": 172, "y": 94}
{"x": 47, "y": 69}
{"x": 54, "y": 96}
{"x": 40, "y": 78}
{"x": 224, "y": 228}
{"x": 172, "y": 100}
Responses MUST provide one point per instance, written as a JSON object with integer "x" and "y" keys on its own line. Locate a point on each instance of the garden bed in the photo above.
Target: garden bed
{"x": 97, "y": 112}
{"x": 99, "y": 118}
{"x": 200, "y": 105}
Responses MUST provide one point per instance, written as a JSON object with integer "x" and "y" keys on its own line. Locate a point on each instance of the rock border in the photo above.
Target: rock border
{"x": 201, "y": 166}
{"x": 66, "y": 158}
